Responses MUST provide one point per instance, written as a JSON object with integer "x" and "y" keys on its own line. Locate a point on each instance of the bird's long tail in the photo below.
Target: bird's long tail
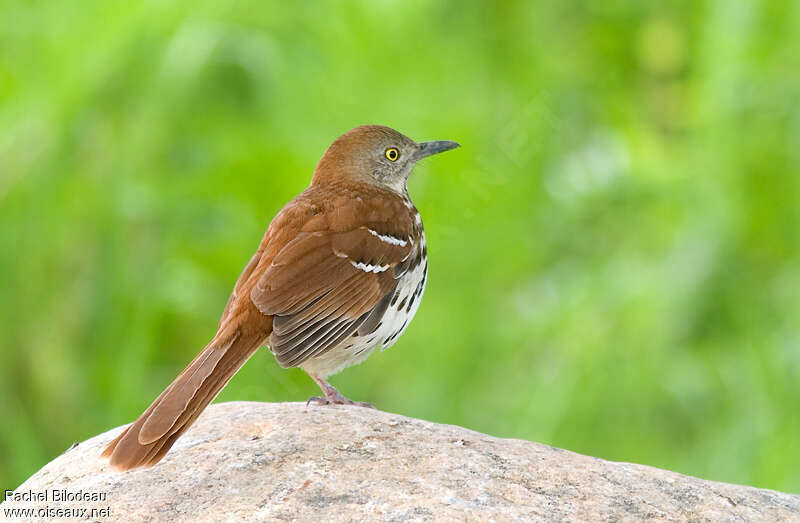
{"x": 148, "y": 439}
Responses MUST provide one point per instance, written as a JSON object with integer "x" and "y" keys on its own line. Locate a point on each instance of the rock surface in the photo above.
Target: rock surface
{"x": 257, "y": 461}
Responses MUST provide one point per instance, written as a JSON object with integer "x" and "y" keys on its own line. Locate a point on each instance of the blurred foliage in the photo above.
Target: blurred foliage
{"x": 613, "y": 251}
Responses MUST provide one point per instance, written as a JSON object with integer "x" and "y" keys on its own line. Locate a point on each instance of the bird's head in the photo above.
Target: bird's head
{"x": 375, "y": 154}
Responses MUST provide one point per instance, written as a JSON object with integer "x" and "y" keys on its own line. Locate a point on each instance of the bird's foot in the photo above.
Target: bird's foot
{"x": 337, "y": 400}
{"x": 333, "y": 396}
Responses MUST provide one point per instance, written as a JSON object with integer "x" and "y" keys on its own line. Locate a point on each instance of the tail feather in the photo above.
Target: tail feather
{"x": 145, "y": 442}
{"x": 181, "y": 392}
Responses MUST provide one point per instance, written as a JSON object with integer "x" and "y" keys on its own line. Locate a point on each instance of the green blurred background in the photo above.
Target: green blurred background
{"x": 613, "y": 251}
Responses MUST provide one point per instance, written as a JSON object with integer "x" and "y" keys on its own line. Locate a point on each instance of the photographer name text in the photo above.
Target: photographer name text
{"x": 54, "y": 495}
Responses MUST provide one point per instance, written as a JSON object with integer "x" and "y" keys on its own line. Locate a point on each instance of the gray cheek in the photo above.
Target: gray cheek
{"x": 382, "y": 172}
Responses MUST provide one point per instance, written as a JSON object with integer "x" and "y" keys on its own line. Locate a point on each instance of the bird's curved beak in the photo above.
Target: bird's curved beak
{"x": 437, "y": 146}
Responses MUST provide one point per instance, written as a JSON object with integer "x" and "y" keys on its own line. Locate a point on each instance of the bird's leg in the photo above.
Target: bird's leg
{"x": 332, "y": 396}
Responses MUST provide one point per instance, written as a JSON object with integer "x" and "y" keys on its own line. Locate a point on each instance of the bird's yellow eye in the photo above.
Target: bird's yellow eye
{"x": 392, "y": 154}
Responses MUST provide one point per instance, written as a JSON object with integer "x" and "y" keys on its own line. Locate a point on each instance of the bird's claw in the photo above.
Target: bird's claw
{"x": 337, "y": 400}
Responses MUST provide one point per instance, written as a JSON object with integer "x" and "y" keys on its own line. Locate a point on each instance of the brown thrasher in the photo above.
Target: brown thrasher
{"x": 339, "y": 272}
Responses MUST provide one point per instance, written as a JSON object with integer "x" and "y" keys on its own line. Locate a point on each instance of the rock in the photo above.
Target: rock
{"x": 256, "y": 461}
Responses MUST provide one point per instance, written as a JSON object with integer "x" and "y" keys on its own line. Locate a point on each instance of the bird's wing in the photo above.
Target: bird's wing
{"x": 324, "y": 284}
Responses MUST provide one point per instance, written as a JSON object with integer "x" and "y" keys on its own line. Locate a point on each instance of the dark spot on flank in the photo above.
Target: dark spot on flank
{"x": 410, "y": 303}
{"x": 394, "y": 298}
{"x": 402, "y": 303}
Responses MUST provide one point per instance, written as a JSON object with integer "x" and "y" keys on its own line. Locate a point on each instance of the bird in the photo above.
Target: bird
{"x": 339, "y": 272}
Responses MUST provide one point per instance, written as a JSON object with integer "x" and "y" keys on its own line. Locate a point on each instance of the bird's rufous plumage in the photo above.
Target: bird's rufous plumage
{"x": 339, "y": 272}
